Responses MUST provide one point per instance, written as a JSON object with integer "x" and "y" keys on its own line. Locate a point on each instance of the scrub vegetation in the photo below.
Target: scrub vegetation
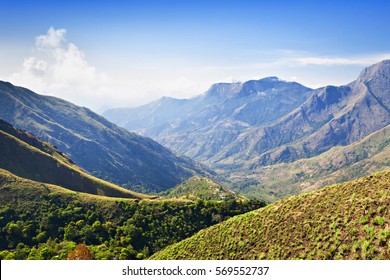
{"x": 343, "y": 221}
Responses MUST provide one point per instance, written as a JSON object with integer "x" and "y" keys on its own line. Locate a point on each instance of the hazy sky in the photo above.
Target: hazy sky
{"x": 125, "y": 53}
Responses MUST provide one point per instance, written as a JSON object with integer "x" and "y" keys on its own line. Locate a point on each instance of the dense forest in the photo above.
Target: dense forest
{"x": 37, "y": 222}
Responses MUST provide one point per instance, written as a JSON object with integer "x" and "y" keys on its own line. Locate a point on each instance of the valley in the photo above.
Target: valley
{"x": 101, "y": 148}
{"x": 46, "y": 222}
{"x": 264, "y": 169}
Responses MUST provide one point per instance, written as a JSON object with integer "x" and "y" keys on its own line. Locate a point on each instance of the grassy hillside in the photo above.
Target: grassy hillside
{"x": 199, "y": 187}
{"x": 39, "y": 161}
{"x": 344, "y": 221}
{"x": 42, "y": 221}
{"x": 339, "y": 164}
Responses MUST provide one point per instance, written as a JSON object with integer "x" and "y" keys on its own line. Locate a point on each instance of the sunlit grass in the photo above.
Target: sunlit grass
{"x": 344, "y": 221}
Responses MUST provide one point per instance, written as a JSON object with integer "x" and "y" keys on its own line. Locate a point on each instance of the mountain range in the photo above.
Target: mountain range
{"x": 202, "y": 127}
{"x": 240, "y": 128}
{"x": 243, "y": 131}
{"x": 269, "y": 139}
{"x": 101, "y": 148}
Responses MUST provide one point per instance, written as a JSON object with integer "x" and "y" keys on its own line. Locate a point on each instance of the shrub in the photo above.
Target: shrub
{"x": 378, "y": 220}
{"x": 81, "y": 252}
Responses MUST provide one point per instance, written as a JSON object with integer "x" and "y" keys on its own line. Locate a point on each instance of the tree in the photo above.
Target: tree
{"x": 71, "y": 232}
{"x": 81, "y": 252}
{"x": 45, "y": 254}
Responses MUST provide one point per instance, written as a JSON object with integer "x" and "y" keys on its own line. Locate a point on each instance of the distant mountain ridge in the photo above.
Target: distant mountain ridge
{"x": 251, "y": 120}
{"x": 331, "y": 116}
{"x": 100, "y": 147}
{"x": 202, "y": 126}
{"x": 240, "y": 128}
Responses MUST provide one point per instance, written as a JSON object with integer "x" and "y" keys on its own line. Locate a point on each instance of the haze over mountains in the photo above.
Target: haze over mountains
{"x": 202, "y": 127}
{"x": 246, "y": 126}
{"x": 247, "y": 132}
{"x": 98, "y": 146}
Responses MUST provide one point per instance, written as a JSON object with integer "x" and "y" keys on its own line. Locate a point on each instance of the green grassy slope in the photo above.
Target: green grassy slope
{"x": 43, "y": 221}
{"x": 18, "y": 189}
{"x": 198, "y": 187}
{"x": 339, "y": 164}
{"x": 43, "y": 163}
{"x": 344, "y": 221}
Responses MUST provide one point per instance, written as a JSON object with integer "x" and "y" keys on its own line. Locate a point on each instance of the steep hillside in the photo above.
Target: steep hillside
{"x": 345, "y": 221}
{"x": 339, "y": 164}
{"x": 98, "y": 146}
{"x": 28, "y": 157}
{"x": 202, "y": 126}
{"x": 42, "y": 221}
{"x": 199, "y": 187}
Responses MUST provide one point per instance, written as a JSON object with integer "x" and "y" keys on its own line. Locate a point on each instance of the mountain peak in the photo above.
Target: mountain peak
{"x": 239, "y": 89}
{"x": 379, "y": 69}
{"x": 271, "y": 79}
{"x": 224, "y": 89}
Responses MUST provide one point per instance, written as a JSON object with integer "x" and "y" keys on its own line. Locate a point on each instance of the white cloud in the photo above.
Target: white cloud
{"x": 34, "y": 66}
{"x": 60, "y": 68}
{"x": 52, "y": 40}
{"x": 358, "y": 60}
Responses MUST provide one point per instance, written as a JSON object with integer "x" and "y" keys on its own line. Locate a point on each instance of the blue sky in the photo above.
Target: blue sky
{"x": 125, "y": 53}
